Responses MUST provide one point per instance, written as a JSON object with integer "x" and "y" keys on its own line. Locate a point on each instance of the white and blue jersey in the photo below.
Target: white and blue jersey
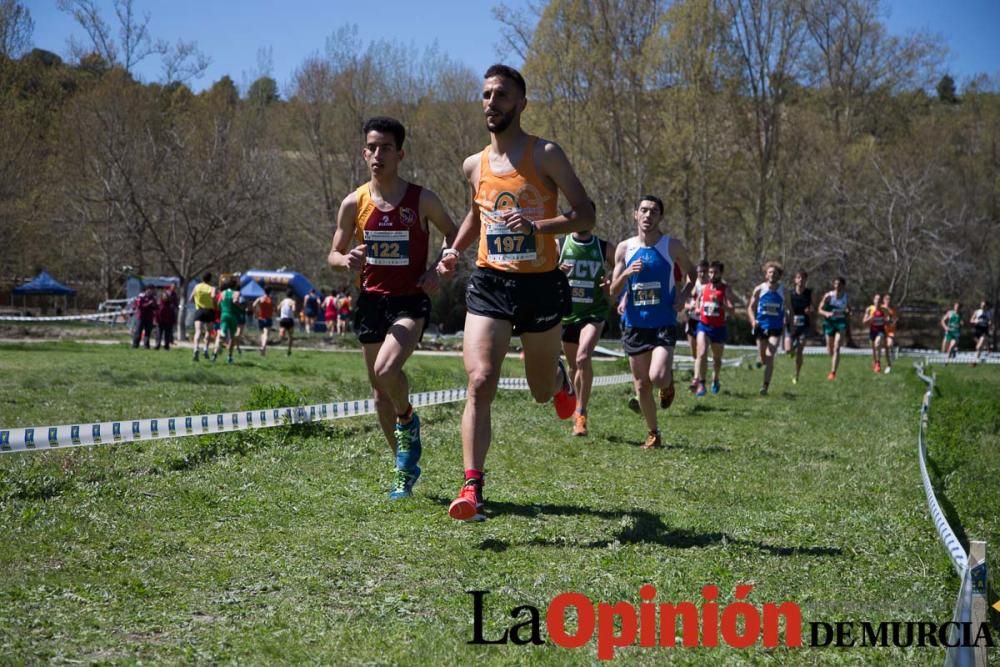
{"x": 771, "y": 307}
{"x": 651, "y": 292}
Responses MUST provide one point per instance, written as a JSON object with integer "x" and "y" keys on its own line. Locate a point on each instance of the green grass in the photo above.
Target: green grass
{"x": 280, "y": 546}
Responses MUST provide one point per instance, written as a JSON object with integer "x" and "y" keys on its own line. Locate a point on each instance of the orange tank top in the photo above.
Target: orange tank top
{"x": 523, "y": 189}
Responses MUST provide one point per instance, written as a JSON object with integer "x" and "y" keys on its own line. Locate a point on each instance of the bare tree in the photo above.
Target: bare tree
{"x": 16, "y": 28}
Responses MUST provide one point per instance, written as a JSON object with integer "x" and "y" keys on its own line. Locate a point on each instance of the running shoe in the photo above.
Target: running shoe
{"x": 633, "y": 404}
{"x": 831, "y": 376}
{"x": 795, "y": 380}
{"x": 564, "y": 400}
{"x": 763, "y": 390}
{"x": 701, "y": 390}
{"x": 229, "y": 360}
{"x": 666, "y": 396}
{"x": 877, "y": 368}
{"x": 403, "y": 481}
{"x": 888, "y": 369}
{"x": 694, "y": 384}
{"x": 196, "y": 355}
{"x": 408, "y": 445}
{"x": 653, "y": 441}
{"x": 469, "y": 504}
{"x": 716, "y": 386}
{"x": 580, "y": 425}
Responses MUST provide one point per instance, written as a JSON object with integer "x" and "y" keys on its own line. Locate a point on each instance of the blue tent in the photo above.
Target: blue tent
{"x": 251, "y": 290}
{"x": 136, "y": 284}
{"x": 281, "y": 280}
{"x": 43, "y": 283}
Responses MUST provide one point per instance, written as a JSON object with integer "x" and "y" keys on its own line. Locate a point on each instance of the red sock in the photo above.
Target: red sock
{"x": 472, "y": 473}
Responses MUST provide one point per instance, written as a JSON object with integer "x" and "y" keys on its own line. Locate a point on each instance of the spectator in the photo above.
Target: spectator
{"x": 145, "y": 314}
{"x": 166, "y": 317}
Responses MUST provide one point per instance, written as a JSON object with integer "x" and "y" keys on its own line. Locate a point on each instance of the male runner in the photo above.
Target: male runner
{"x": 228, "y": 319}
{"x": 891, "y": 320}
{"x": 264, "y": 307}
{"x": 585, "y": 259}
{"x": 875, "y": 318}
{"x": 286, "y": 319}
{"x": 835, "y": 309}
{"x": 981, "y": 320}
{"x": 388, "y": 219}
{"x": 951, "y": 322}
{"x": 801, "y": 300}
{"x": 767, "y": 311}
{"x": 694, "y": 316}
{"x": 517, "y": 287}
{"x": 713, "y": 304}
{"x": 650, "y": 264}
{"x": 203, "y": 297}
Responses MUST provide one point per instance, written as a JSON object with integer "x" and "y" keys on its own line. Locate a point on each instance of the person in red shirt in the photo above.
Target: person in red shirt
{"x": 389, "y": 220}
{"x": 166, "y": 317}
{"x": 713, "y": 303}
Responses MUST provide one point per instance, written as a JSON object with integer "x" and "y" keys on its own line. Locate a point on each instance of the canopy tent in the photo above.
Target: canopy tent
{"x": 44, "y": 283}
{"x": 251, "y": 290}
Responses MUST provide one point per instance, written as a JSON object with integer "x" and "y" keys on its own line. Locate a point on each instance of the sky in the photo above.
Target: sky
{"x": 465, "y": 30}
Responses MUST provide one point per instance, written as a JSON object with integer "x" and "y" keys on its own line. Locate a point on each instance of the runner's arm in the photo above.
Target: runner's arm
{"x": 580, "y": 217}
{"x": 752, "y": 306}
{"x": 621, "y": 273}
{"x": 679, "y": 252}
{"x": 341, "y": 256}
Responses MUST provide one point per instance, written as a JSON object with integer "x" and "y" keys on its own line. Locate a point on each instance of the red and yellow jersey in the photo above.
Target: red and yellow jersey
{"x": 396, "y": 241}
{"x": 877, "y": 316}
{"x": 524, "y": 190}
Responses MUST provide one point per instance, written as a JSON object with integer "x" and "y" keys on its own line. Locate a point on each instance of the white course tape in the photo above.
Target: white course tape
{"x": 958, "y": 556}
{"x": 63, "y": 318}
{"x": 138, "y": 430}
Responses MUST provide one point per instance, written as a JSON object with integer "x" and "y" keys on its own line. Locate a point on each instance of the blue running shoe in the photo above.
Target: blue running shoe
{"x": 715, "y": 386}
{"x": 408, "y": 446}
{"x": 402, "y": 483}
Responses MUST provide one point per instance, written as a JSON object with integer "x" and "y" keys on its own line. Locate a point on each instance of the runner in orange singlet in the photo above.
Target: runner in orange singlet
{"x": 517, "y": 287}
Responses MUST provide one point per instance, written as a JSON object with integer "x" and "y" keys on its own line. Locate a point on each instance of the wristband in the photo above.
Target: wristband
{"x": 534, "y": 227}
{"x": 449, "y": 251}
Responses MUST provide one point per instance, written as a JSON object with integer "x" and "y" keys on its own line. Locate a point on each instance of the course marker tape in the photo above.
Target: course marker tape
{"x": 61, "y": 318}
{"x": 140, "y": 430}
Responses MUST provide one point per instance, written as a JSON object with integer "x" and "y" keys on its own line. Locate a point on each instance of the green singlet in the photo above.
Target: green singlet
{"x": 587, "y": 260}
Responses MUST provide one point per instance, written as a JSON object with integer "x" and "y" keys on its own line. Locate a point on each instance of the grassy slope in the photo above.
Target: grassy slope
{"x": 280, "y": 544}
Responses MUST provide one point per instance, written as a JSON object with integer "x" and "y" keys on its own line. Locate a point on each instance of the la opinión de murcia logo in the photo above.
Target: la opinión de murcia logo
{"x": 739, "y": 624}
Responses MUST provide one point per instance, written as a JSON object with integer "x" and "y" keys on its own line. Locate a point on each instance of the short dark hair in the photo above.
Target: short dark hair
{"x": 508, "y": 72}
{"x": 206, "y": 277}
{"x": 718, "y": 266}
{"x": 386, "y": 125}
{"x": 653, "y": 198}
{"x": 267, "y": 291}
{"x": 703, "y": 264}
{"x": 803, "y": 274}
{"x": 842, "y": 279}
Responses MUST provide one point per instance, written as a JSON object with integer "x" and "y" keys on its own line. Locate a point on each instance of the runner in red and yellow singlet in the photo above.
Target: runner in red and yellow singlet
{"x": 517, "y": 287}
{"x": 388, "y": 219}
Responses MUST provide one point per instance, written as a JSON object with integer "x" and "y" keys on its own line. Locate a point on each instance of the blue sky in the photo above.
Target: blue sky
{"x": 463, "y": 29}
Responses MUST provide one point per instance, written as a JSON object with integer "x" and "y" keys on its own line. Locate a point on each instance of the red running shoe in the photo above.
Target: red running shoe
{"x": 469, "y": 504}
{"x": 565, "y": 398}
{"x": 666, "y": 396}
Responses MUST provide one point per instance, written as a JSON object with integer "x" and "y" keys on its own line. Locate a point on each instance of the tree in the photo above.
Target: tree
{"x": 16, "y": 28}
{"x": 946, "y": 90}
{"x": 263, "y": 91}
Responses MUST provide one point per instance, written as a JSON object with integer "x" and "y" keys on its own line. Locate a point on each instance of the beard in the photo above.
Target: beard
{"x": 500, "y": 123}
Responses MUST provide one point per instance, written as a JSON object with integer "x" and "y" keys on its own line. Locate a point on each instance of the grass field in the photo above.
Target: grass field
{"x": 280, "y": 545}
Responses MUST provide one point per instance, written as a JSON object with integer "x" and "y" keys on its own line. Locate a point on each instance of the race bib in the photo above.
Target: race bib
{"x": 800, "y": 320}
{"x": 388, "y": 248}
{"x": 646, "y": 294}
{"x": 771, "y": 309}
{"x": 711, "y": 308}
{"x": 581, "y": 291}
{"x": 504, "y": 245}
{"x": 839, "y": 313}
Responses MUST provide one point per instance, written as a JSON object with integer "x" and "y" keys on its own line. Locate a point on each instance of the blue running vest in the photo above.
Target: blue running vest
{"x": 651, "y": 292}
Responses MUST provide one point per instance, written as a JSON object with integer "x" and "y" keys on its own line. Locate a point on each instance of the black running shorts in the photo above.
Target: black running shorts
{"x": 376, "y": 313}
{"x": 638, "y": 340}
{"x": 532, "y": 302}
{"x": 206, "y": 315}
{"x": 571, "y": 331}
